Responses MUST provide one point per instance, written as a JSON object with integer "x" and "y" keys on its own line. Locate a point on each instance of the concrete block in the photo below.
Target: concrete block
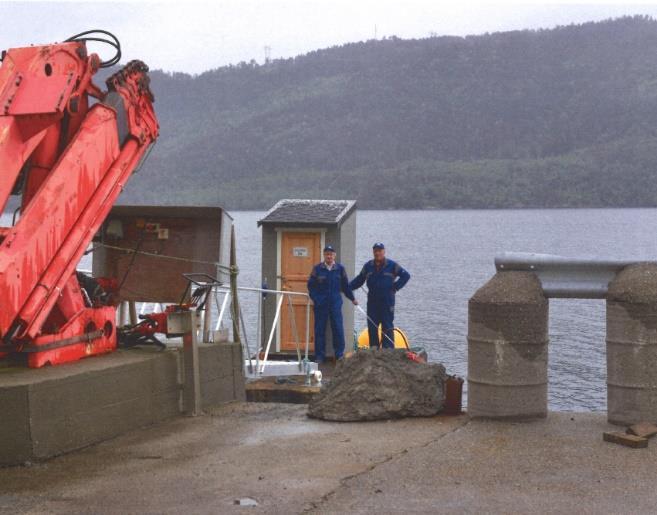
{"x": 51, "y": 411}
{"x": 162, "y": 370}
{"x": 632, "y": 345}
{"x": 216, "y": 360}
{"x": 165, "y": 404}
{"x": 508, "y": 348}
{"x": 217, "y": 391}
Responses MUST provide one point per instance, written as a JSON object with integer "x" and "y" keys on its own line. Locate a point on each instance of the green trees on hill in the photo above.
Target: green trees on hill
{"x": 548, "y": 118}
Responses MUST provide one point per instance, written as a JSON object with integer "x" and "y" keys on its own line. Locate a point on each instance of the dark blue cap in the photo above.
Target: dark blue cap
{"x": 329, "y": 248}
{"x": 378, "y": 245}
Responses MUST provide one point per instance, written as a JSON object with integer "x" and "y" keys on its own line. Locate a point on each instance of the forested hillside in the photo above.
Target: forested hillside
{"x": 549, "y": 118}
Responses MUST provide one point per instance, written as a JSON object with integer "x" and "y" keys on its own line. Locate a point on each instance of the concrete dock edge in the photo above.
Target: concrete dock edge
{"x": 55, "y": 410}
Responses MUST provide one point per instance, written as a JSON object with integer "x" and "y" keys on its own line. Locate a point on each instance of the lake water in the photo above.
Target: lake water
{"x": 450, "y": 254}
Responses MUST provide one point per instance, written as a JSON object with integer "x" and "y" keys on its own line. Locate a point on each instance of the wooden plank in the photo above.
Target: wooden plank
{"x": 266, "y": 390}
{"x": 643, "y": 430}
{"x": 621, "y": 438}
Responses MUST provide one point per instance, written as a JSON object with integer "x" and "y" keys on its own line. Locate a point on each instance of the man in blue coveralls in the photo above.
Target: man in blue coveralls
{"x": 326, "y": 283}
{"x": 384, "y": 279}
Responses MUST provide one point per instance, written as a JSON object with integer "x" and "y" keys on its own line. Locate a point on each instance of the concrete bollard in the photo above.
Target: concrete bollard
{"x": 632, "y": 345}
{"x": 508, "y": 348}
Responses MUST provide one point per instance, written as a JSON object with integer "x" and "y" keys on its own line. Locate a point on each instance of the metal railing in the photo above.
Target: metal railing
{"x": 281, "y": 295}
{"x": 222, "y": 307}
{"x": 563, "y": 277}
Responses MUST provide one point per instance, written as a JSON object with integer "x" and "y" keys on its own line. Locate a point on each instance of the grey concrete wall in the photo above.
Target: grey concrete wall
{"x": 50, "y": 411}
{"x": 15, "y": 447}
{"x": 222, "y": 374}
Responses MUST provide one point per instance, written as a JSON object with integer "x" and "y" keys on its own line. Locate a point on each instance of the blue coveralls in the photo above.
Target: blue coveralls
{"x": 382, "y": 282}
{"x": 324, "y": 287}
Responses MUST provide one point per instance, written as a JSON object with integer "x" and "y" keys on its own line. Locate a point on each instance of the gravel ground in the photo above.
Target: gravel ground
{"x": 287, "y": 463}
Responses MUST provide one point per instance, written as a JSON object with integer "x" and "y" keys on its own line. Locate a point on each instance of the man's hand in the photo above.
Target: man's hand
{"x": 354, "y": 302}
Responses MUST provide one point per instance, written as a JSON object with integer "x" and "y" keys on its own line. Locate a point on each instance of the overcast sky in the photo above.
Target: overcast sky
{"x": 197, "y": 36}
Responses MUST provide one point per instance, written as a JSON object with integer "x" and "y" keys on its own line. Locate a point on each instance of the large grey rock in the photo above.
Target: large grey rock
{"x": 380, "y": 384}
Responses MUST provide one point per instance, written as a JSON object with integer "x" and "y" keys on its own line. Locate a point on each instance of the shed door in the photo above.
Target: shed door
{"x": 299, "y": 252}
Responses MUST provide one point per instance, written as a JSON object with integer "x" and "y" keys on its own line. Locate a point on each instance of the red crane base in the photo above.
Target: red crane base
{"x": 90, "y": 333}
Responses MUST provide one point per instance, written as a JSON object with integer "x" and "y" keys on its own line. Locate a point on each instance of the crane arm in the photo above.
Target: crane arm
{"x": 75, "y": 161}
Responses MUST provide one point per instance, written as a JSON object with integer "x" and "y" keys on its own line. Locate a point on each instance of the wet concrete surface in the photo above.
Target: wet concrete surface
{"x": 287, "y": 463}
{"x": 556, "y": 465}
{"x": 269, "y": 452}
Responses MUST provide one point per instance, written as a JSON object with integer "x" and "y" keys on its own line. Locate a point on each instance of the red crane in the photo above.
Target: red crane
{"x": 68, "y": 158}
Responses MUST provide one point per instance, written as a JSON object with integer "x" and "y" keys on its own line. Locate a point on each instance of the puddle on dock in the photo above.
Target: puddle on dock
{"x": 283, "y": 429}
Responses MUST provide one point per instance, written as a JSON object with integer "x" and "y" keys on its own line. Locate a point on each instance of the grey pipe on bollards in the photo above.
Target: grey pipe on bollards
{"x": 508, "y": 348}
{"x": 632, "y": 345}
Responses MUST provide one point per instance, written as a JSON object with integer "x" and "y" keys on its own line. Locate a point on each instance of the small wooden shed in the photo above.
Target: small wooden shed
{"x": 294, "y": 233}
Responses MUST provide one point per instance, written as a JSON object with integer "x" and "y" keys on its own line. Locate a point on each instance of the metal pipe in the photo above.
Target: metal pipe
{"x": 233, "y": 286}
{"x": 259, "y": 328}
{"x": 271, "y": 333}
{"x": 264, "y": 290}
{"x": 565, "y": 277}
{"x": 207, "y": 319}
{"x": 246, "y": 341}
{"x": 122, "y": 313}
{"x": 222, "y": 311}
{"x": 132, "y": 308}
{"x": 192, "y": 389}
{"x": 259, "y": 345}
{"x": 307, "y": 327}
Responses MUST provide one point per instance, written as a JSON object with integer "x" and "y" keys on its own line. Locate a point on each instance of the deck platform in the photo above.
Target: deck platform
{"x": 289, "y": 389}
{"x": 292, "y": 391}
{"x": 53, "y": 410}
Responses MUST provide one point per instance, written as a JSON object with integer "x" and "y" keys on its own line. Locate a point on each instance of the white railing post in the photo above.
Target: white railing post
{"x": 307, "y": 326}
{"x": 260, "y": 364}
{"x": 272, "y": 332}
{"x": 222, "y": 310}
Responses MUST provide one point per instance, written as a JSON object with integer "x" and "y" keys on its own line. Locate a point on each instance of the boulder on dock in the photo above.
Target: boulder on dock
{"x": 378, "y": 385}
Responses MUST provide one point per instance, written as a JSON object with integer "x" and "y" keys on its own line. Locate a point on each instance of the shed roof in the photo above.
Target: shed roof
{"x": 304, "y": 212}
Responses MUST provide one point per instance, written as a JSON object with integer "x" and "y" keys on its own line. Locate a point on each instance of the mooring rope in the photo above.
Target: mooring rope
{"x": 164, "y": 256}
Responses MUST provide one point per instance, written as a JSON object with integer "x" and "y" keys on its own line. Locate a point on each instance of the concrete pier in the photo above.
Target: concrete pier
{"x": 507, "y": 348}
{"x": 632, "y": 345}
{"x": 285, "y": 462}
{"x": 54, "y": 410}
